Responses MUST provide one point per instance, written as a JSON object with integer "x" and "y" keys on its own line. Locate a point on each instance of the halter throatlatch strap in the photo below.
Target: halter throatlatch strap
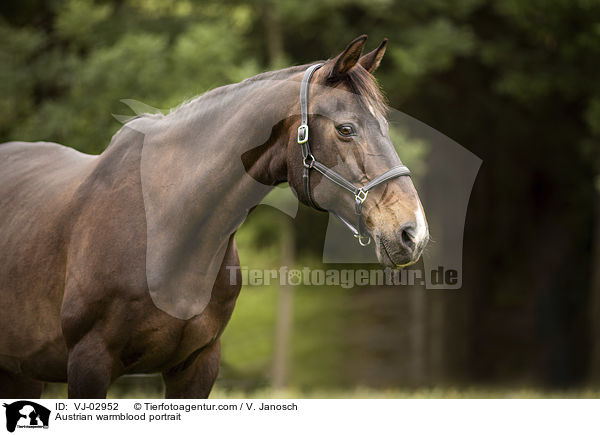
{"x": 309, "y": 162}
{"x": 307, "y": 158}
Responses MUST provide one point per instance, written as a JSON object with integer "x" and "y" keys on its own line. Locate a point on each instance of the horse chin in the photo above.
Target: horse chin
{"x": 386, "y": 257}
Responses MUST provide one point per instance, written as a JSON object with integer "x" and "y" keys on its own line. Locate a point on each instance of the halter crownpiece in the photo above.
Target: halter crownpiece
{"x": 310, "y": 162}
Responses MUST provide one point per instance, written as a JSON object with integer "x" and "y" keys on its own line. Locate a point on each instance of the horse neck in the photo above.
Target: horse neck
{"x": 204, "y": 166}
{"x": 245, "y": 123}
{"x": 196, "y": 170}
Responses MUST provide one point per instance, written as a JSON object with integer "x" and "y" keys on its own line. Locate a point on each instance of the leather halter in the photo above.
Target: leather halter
{"x": 309, "y": 162}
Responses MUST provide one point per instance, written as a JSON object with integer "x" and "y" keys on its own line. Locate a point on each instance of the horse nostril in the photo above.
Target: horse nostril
{"x": 407, "y": 236}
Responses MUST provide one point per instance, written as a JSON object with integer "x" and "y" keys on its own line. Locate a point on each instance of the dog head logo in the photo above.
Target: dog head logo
{"x": 26, "y": 414}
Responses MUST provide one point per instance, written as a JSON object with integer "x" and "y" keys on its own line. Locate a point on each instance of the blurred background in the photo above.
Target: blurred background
{"x": 515, "y": 82}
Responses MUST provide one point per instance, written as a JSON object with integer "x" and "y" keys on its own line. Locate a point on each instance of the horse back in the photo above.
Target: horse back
{"x": 37, "y": 180}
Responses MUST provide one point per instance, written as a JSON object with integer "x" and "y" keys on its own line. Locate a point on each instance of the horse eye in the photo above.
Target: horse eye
{"x": 346, "y": 130}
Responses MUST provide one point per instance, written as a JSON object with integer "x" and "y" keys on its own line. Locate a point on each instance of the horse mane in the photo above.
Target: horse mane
{"x": 358, "y": 80}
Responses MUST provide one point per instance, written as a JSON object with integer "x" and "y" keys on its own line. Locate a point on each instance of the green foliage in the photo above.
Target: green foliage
{"x": 430, "y": 48}
{"x": 77, "y": 21}
{"x": 63, "y": 85}
{"x": 17, "y": 81}
{"x": 413, "y": 151}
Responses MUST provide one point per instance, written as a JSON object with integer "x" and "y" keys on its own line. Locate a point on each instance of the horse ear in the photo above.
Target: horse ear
{"x": 348, "y": 58}
{"x": 371, "y": 61}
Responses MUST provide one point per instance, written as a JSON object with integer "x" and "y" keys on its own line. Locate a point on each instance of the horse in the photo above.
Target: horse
{"x": 119, "y": 263}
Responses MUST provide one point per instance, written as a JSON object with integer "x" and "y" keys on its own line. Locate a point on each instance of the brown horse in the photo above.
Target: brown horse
{"x": 117, "y": 263}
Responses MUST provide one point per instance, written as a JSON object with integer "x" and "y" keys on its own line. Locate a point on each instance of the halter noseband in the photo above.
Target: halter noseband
{"x": 309, "y": 162}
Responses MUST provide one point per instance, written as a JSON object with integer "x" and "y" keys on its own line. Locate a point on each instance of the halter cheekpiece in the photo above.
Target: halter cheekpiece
{"x": 309, "y": 162}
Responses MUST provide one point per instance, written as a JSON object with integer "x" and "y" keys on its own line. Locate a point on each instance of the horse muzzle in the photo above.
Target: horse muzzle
{"x": 404, "y": 247}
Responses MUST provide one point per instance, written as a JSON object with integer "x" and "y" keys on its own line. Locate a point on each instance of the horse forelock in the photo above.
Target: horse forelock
{"x": 363, "y": 84}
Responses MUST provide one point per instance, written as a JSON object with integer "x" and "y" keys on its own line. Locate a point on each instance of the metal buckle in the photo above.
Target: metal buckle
{"x": 361, "y": 238}
{"x": 361, "y": 195}
{"x": 303, "y": 133}
{"x": 309, "y": 160}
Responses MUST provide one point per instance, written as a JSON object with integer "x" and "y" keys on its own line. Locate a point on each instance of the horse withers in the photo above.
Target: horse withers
{"x": 119, "y": 263}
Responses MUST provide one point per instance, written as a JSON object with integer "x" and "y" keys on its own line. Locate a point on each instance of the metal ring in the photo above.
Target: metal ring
{"x": 309, "y": 160}
{"x": 361, "y": 238}
{"x": 361, "y": 195}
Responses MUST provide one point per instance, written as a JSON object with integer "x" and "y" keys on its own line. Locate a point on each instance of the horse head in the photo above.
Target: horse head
{"x": 349, "y": 137}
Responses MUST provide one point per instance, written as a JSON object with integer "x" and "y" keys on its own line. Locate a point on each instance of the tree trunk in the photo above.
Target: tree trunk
{"x": 274, "y": 35}
{"x": 285, "y": 312}
{"x": 594, "y": 368}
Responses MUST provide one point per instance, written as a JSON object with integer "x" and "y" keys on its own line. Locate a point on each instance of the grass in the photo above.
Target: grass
{"x": 148, "y": 387}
